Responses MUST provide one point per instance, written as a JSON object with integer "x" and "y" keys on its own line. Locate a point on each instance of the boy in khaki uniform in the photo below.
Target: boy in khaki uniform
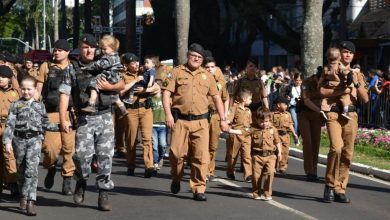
{"x": 189, "y": 85}
{"x": 214, "y": 120}
{"x": 240, "y": 118}
{"x": 8, "y": 94}
{"x": 282, "y": 120}
{"x": 265, "y": 147}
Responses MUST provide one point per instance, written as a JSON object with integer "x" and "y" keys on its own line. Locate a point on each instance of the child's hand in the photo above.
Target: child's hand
{"x": 279, "y": 156}
{"x": 8, "y": 148}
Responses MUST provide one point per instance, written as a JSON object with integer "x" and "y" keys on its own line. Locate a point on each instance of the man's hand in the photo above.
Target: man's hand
{"x": 139, "y": 90}
{"x": 224, "y": 126}
{"x": 355, "y": 79}
{"x": 65, "y": 125}
{"x": 8, "y": 148}
{"x": 169, "y": 121}
{"x": 103, "y": 84}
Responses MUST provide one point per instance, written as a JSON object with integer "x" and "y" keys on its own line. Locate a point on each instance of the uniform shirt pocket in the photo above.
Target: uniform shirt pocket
{"x": 204, "y": 87}
{"x": 182, "y": 85}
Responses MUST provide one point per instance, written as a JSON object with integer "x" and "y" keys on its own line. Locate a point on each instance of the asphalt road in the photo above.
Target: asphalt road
{"x": 140, "y": 198}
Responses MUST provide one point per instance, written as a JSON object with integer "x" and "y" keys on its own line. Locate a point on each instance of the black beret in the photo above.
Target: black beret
{"x": 281, "y": 99}
{"x": 2, "y": 57}
{"x": 129, "y": 57}
{"x": 62, "y": 44}
{"x": 196, "y": 48}
{"x": 253, "y": 60}
{"x": 348, "y": 45}
{"x": 89, "y": 39}
{"x": 207, "y": 53}
{"x": 5, "y": 71}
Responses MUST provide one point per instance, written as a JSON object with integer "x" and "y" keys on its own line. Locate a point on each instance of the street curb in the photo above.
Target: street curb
{"x": 356, "y": 167}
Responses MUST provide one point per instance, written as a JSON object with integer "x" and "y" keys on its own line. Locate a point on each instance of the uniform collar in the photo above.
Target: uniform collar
{"x": 195, "y": 72}
{"x": 61, "y": 66}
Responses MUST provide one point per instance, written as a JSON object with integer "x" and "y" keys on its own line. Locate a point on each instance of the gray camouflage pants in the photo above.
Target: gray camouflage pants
{"x": 95, "y": 135}
{"x": 27, "y": 153}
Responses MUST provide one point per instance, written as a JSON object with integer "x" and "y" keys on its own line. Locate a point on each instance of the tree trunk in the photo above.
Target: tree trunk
{"x": 312, "y": 36}
{"x": 76, "y": 23}
{"x": 63, "y": 20}
{"x": 182, "y": 12}
{"x": 88, "y": 16}
{"x": 56, "y": 34}
{"x": 36, "y": 34}
{"x": 105, "y": 17}
{"x": 130, "y": 26}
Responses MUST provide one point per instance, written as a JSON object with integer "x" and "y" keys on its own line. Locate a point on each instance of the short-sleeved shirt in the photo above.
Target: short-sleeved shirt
{"x": 254, "y": 85}
{"x": 222, "y": 88}
{"x": 334, "y": 101}
{"x": 7, "y": 97}
{"x": 190, "y": 89}
{"x": 240, "y": 118}
{"x": 282, "y": 120}
{"x": 162, "y": 71}
{"x": 44, "y": 70}
{"x": 264, "y": 139}
{"x": 311, "y": 91}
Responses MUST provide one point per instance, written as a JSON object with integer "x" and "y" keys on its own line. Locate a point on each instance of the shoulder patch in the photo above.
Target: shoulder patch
{"x": 165, "y": 83}
{"x": 169, "y": 75}
{"x": 13, "y": 94}
{"x": 271, "y": 131}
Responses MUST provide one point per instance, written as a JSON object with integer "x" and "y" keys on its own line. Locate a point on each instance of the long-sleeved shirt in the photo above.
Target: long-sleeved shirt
{"x": 27, "y": 116}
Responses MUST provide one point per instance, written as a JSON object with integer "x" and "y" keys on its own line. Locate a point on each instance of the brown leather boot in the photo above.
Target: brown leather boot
{"x": 23, "y": 203}
{"x": 103, "y": 203}
{"x": 31, "y": 208}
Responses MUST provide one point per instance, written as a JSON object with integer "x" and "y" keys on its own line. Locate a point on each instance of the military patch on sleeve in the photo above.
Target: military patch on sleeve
{"x": 13, "y": 94}
{"x": 271, "y": 131}
{"x": 219, "y": 86}
{"x": 165, "y": 83}
{"x": 169, "y": 75}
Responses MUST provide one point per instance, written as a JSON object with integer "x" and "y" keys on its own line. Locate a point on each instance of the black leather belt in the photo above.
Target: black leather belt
{"x": 26, "y": 134}
{"x": 336, "y": 108}
{"x": 135, "y": 105}
{"x": 98, "y": 112}
{"x": 192, "y": 117}
{"x": 281, "y": 132}
{"x": 264, "y": 153}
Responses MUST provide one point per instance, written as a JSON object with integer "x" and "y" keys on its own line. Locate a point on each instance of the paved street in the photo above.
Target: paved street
{"x": 140, "y": 198}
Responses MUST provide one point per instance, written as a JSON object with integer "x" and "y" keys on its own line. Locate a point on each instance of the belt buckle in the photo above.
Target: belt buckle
{"x": 189, "y": 117}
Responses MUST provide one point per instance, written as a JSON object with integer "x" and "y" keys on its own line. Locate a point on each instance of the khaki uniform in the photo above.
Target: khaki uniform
{"x": 189, "y": 96}
{"x": 264, "y": 146}
{"x": 138, "y": 117}
{"x": 215, "y": 130}
{"x": 57, "y": 142}
{"x": 240, "y": 119}
{"x": 162, "y": 71}
{"x": 8, "y": 161}
{"x": 309, "y": 122}
{"x": 282, "y": 122}
{"x": 342, "y": 133}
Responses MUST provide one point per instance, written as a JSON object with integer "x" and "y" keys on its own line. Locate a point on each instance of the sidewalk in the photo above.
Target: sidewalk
{"x": 356, "y": 167}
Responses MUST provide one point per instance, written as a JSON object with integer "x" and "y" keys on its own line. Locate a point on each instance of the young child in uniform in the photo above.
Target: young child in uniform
{"x": 336, "y": 77}
{"x": 282, "y": 120}
{"x": 110, "y": 65}
{"x": 149, "y": 76}
{"x": 26, "y": 122}
{"x": 159, "y": 132}
{"x": 240, "y": 118}
{"x": 265, "y": 150}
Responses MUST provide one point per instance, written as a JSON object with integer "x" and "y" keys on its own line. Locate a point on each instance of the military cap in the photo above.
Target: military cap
{"x": 62, "y": 44}
{"x": 207, "y": 53}
{"x": 5, "y": 71}
{"x": 129, "y": 57}
{"x": 2, "y": 57}
{"x": 196, "y": 48}
{"x": 281, "y": 99}
{"x": 253, "y": 60}
{"x": 89, "y": 39}
{"x": 348, "y": 45}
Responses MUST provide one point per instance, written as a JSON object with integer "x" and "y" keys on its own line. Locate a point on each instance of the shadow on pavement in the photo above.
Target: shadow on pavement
{"x": 133, "y": 191}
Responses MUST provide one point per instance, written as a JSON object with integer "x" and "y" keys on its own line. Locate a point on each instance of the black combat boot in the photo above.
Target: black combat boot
{"x": 78, "y": 196}
{"x": 49, "y": 179}
{"x": 66, "y": 188}
{"x": 103, "y": 203}
{"x": 30, "y": 207}
{"x": 328, "y": 194}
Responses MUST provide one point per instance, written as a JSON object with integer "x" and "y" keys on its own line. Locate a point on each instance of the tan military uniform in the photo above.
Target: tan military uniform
{"x": 255, "y": 85}
{"x": 8, "y": 162}
{"x": 282, "y": 122}
{"x": 240, "y": 118}
{"x": 264, "y": 146}
{"x": 57, "y": 142}
{"x": 309, "y": 122}
{"x": 342, "y": 133}
{"x": 190, "y": 90}
{"x": 215, "y": 129}
{"x": 162, "y": 71}
{"x": 138, "y": 117}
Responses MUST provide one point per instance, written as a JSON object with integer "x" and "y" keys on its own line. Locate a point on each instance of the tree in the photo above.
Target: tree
{"x": 63, "y": 32}
{"x": 312, "y": 36}
{"x": 130, "y": 25}
{"x": 56, "y": 33}
{"x": 182, "y": 18}
{"x": 87, "y": 16}
{"x": 5, "y": 6}
{"x": 76, "y": 23}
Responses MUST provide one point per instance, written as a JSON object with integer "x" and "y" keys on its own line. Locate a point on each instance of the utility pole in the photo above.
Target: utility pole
{"x": 44, "y": 24}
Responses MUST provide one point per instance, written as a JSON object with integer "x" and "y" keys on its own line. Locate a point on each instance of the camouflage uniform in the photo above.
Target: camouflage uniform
{"x": 95, "y": 131}
{"x": 26, "y": 122}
